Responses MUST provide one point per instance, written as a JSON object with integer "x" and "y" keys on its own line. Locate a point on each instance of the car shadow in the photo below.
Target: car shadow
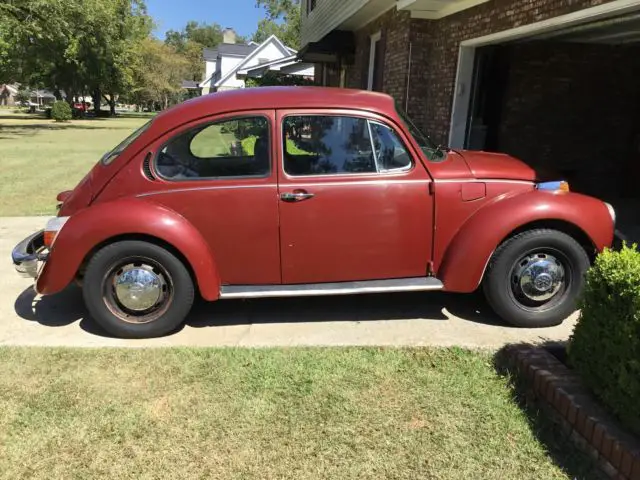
{"x": 67, "y": 307}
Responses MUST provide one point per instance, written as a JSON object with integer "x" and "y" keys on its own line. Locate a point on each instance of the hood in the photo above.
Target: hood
{"x": 500, "y": 166}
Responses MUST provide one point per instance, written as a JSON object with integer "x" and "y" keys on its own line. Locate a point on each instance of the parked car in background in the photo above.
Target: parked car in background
{"x": 300, "y": 191}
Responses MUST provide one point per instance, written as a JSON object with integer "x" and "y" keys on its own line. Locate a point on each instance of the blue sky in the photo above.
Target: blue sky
{"x": 242, "y": 15}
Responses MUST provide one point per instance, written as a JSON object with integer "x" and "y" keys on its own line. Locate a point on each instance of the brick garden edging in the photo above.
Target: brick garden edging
{"x": 561, "y": 394}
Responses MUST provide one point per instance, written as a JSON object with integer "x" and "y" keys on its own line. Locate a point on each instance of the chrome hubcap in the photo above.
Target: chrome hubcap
{"x": 539, "y": 277}
{"x": 138, "y": 288}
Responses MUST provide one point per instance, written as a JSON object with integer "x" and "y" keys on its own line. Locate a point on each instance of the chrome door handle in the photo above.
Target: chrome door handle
{"x": 295, "y": 196}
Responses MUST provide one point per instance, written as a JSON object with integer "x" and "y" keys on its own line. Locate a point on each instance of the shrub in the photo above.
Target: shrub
{"x": 61, "y": 111}
{"x": 605, "y": 345}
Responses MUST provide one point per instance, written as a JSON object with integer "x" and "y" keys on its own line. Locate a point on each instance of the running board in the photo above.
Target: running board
{"x": 341, "y": 288}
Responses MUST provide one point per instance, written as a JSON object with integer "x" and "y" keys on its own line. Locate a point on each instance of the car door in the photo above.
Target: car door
{"x": 219, "y": 174}
{"x": 355, "y": 202}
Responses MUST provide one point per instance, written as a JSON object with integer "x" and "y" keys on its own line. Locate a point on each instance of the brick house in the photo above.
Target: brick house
{"x": 554, "y": 82}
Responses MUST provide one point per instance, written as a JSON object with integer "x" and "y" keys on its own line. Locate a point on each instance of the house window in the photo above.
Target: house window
{"x": 374, "y": 81}
{"x": 311, "y": 4}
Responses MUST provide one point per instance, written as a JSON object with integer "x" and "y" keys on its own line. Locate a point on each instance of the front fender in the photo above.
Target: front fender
{"x": 99, "y": 223}
{"x": 468, "y": 254}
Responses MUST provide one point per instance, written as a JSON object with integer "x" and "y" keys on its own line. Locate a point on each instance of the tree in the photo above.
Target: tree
{"x": 159, "y": 71}
{"x": 72, "y": 46}
{"x": 283, "y": 20}
{"x": 191, "y": 41}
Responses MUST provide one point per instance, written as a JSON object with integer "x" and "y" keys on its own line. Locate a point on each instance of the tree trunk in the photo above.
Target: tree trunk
{"x": 111, "y": 100}
{"x": 97, "y": 99}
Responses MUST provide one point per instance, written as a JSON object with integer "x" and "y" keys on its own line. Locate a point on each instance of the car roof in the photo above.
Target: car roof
{"x": 278, "y": 98}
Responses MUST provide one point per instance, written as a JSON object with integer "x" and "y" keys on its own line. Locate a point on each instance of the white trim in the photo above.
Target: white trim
{"x": 272, "y": 39}
{"x": 372, "y": 17}
{"x": 372, "y": 58}
{"x": 284, "y": 60}
{"x": 454, "y": 7}
{"x": 464, "y": 73}
{"x": 402, "y": 4}
{"x": 461, "y": 97}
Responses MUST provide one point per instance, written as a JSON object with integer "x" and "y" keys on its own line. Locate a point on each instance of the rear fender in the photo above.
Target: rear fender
{"x": 468, "y": 254}
{"x": 101, "y": 222}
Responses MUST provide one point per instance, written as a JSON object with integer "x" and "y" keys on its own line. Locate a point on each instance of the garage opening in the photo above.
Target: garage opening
{"x": 568, "y": 103}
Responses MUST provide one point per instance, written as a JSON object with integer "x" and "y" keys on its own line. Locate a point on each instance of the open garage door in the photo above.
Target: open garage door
{"x": 566, "y": 102}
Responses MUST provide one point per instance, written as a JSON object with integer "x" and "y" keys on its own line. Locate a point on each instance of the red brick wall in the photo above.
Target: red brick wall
{"x": 569, "y": 106}
{"x": 394, "y": 29}
{"x": 434, "y": 56}
{"x": 491, "y": 17}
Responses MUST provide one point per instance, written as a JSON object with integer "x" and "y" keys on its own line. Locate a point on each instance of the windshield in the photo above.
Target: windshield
{"x": 111, "y": 155}
{"x": 432, "y": 151}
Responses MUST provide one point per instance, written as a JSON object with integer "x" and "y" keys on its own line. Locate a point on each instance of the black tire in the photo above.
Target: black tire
{"x": 174, "y": 288}
{"x": 512, "y": 292}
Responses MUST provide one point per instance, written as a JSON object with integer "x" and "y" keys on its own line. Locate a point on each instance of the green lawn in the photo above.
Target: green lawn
{"x": 39, "y": 158}
{"x": 267, "y": 413}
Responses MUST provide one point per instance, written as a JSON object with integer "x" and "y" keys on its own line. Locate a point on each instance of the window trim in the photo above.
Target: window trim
{"x": 408, "y": 168}
{"x": 204, "y": 125}
{"x": 378, "y": 173}
{"x": 375, "y": 38}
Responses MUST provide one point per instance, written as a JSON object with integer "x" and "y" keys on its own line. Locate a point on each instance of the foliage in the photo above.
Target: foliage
{"x": 191, "y": 41}
{"x": 61, "y": 111}
{"x": 605, "y": 346}
{"x": 23, "y": 95}
{"x": 271, "y": 79}
{"x": 283, "y": 21}
{"x": 75, "y": 46}
{"x": 158, "y": 75}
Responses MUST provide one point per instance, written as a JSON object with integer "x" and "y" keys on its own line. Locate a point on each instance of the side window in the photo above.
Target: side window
{"x": 327, "y": 145}
{"x": 230, "y": 148}
{"x": 391, "y": 153}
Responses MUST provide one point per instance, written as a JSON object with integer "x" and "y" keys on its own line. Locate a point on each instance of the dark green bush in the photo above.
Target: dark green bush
{"x": 61, "y": 111}
{"x": 605, "y": 346}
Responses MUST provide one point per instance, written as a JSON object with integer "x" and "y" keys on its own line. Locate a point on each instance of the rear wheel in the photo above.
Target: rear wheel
{"x": 136, "y": 289}
{"x": 534, "y": 279}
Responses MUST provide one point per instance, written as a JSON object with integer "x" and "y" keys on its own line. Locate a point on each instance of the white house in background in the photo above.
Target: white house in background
{"x": 230, "y": 63}
{"x": 286, "y": 66}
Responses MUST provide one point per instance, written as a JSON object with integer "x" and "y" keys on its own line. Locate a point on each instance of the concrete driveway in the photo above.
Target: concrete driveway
{"x": 406, "y": 319}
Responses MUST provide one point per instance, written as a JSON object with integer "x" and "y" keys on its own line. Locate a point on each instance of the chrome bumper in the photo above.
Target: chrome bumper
{"x": 28, "y": 253}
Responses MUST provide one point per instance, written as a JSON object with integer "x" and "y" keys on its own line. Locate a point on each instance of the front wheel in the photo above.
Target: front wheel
{"x": 137, "y": 289}
{"x": 534, "y": 279}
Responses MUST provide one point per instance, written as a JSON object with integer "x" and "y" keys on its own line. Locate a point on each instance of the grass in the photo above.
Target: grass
{"x": 270, "y": 413}
{"x": 40, "y": 158}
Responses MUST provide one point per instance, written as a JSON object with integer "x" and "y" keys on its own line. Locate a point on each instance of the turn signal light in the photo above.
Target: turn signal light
{"x": 560, "y": 186}
{"x": 52, "y": 229}
{"x": 49, "y": 237}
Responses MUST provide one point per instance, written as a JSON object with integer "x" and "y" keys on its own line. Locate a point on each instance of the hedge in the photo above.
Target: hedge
{"x": 605, "y": 345}
{"x": 61, "y": 111}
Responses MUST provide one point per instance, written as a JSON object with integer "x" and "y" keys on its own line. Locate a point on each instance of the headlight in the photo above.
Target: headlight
{"x": 612, "y": 212}
{"x": 52, "y": 229}
{"x": 559, "y": 186}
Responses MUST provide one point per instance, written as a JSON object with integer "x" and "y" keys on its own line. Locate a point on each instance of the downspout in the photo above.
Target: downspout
{"x": 406, "y": 105}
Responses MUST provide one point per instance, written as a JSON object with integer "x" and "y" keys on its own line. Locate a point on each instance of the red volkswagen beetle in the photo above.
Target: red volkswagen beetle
{"x": 272, "y": 192}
